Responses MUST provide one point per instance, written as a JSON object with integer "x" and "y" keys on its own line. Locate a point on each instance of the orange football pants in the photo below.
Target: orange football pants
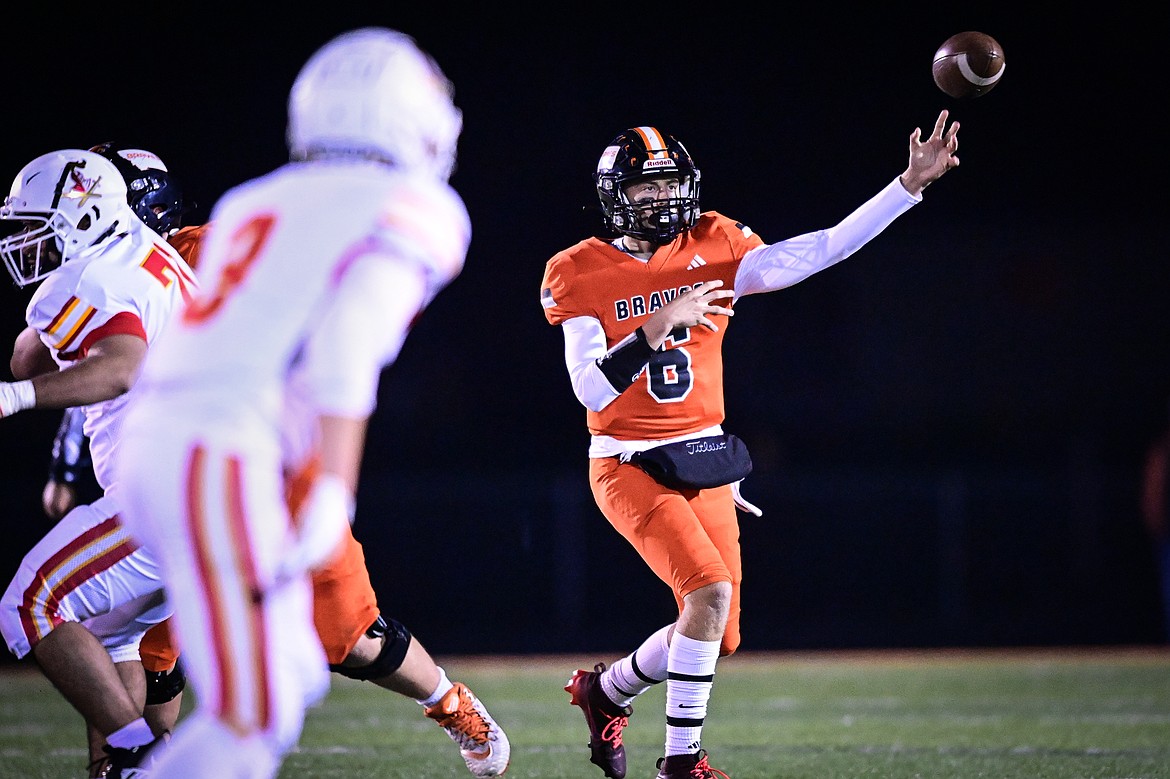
{"x": 689, "y": 539}
{"x": 344, "y": 607}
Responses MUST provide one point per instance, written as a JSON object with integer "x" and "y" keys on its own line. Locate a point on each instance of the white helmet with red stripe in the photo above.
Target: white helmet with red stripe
{"x": 61, "y": 204}
{"x": 374, "y": 93}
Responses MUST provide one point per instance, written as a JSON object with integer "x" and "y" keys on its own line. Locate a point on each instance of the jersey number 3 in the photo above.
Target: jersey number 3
{"x": 244, "y": 248}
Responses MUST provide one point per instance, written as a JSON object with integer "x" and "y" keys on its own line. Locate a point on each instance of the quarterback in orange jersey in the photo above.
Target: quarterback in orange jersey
{"x": 644, "y": 315}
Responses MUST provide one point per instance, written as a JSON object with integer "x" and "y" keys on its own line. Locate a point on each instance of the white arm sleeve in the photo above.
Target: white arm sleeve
{"x": 778, "y": 265}
{"x": 584, "y": 346}
{"x": 361, "y": 332}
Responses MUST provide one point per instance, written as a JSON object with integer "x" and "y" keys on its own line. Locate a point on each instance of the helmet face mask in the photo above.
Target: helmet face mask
{"x": 33, "y": 251}
{"x": 655, "y": 219}
{"x": 646, "y": 154}
{"x": 60, "y": 205}
{"x": 158, "y": 201}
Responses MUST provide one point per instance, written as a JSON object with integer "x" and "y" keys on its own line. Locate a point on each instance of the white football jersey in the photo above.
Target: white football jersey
{"x": 274, "y": 308}
{"x": 131, "y": 285}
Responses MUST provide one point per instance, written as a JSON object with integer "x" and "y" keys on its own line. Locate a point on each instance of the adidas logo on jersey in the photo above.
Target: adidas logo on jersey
{"x": 698, "y": 262}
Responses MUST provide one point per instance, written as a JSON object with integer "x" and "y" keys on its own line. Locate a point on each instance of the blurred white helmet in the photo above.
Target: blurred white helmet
{"x": 373, "y": 92}
{"x": 61, "y": 204}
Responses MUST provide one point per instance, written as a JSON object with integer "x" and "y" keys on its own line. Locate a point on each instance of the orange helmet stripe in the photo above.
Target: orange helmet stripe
{"x": 655, "y": 143}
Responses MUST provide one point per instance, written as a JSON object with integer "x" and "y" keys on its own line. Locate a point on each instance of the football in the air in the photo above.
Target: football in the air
{"x": 968, "y": 64}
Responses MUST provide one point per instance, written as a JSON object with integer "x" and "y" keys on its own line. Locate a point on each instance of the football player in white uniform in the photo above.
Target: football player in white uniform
{"x": 86, "y": 593}
{"x": 156, "y": 198}
{"x": 313, "y": 275}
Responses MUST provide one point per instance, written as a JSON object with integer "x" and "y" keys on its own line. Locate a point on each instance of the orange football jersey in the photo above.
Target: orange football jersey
{"x": 681, "y": 390}
{"x": 188, "y": 241}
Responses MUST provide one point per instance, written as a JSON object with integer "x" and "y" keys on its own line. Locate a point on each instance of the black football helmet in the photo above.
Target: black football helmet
{"x": 152, "y": 192}
{"x": 642, "y": 152}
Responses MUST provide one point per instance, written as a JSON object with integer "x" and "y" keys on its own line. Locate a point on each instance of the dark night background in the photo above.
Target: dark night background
{"x": 947, "y": 427}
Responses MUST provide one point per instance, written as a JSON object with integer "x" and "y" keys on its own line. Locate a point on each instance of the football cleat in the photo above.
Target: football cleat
{"x": 482, "y": 743}
{"x": 688, "y": 767}
{"x": 605, "y": 718}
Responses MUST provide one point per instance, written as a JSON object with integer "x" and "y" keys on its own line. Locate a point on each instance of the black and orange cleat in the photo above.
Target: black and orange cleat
{"x": 688, "y": 767}
{"x": 605, "y": 718}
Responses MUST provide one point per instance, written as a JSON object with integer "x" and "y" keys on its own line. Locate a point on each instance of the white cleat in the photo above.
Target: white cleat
{"x": 482, "y": 743}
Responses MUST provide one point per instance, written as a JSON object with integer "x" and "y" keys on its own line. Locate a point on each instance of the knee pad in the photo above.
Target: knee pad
{"x": 163, "y": 686}
{"x": 395, "y": 642}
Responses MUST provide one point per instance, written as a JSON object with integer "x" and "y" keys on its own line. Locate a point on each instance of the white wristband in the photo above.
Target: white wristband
{"x": 16, "y": 396}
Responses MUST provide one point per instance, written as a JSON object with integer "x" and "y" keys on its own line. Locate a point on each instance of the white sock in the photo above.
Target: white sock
{"x": 133, "y": 735}
{"x": 690, "y": 673}
{"x": 638, "y": 671}
{"x": 442, "y": 689}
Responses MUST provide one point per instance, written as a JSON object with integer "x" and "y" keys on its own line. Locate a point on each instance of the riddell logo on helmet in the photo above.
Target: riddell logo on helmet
{"x": 653, "y": 164}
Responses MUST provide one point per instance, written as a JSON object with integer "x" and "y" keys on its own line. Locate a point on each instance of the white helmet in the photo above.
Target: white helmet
{"x": 61, "y": 204}
{"x": 373, "y": 92}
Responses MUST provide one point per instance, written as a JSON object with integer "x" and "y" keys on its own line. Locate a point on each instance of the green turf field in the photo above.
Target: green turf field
{"x": 1077, "y": 714}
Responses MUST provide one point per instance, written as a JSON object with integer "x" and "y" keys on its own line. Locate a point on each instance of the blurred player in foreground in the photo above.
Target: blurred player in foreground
{"x": 643, "y": 316}
{"x": 314, "y": 274}
{"x": 359, "y": 642}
